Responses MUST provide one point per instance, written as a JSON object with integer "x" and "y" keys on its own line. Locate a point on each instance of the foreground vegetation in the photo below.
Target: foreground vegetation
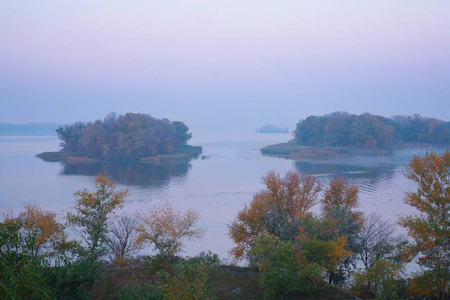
{"x": 292, "y": 253}
{"x": 123, "y": 138}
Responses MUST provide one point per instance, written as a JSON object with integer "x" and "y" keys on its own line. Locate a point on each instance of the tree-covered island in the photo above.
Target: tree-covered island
{"x": 269, "y": 128}
{"x": 129, "y": 137}
{"x": 341, "y": 134}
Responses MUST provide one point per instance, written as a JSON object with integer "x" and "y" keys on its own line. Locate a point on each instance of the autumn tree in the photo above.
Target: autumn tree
{"x": 166, "y": 229}
{"x": 340, "y": 194}
{"x": 276, "y": 209}
{"x": 298, "y": 266}
{"x": 291, "y": 245}
{"x": 338, "y": 204}
{"x": 347, "y": 130}
{"x": 370, "y": 131}
{"x": 126, "y": 137}
{"x": 429, "y": 229}
{"x": 90, "y": 219}
{"x": 42, "y": 225}
{"x": 70, "y": 135}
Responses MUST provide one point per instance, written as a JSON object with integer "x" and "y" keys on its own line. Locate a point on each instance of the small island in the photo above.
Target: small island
{"x": 269, "y": 128}
{"x": 342, "y": 134}
{"x": 129, "y": 137}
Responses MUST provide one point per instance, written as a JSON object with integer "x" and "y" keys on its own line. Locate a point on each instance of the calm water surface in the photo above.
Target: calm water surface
{"x": 217, "y": 186}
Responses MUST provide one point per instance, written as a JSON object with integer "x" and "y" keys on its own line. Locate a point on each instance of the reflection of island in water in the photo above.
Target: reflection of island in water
{"x": 367, "y": 176}
{"x": 362, "y": 167}
{"x": 343, "y": 170}
{"x": 130, "y": 173}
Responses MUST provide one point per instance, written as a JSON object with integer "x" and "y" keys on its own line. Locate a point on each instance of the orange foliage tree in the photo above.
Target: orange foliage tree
{"x": 338, "y": 204}
{"x": 341, "y": 194}
{"x": 40, "y": 225}
{"x": 92, "y": 210}
{"x": 166, "y": 229}
{"x": 429, "y": 229}
{"x": 275, "y": 209}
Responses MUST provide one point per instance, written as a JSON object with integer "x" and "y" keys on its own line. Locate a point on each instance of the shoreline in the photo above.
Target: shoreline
{"x": 162, "y": 159}
{"x": 291, "y": 150}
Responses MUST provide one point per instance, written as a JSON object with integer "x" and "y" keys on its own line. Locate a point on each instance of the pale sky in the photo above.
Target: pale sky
{"x": 231, "y": 63}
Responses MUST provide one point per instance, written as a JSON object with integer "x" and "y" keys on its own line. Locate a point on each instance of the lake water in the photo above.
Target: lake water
{"x": 217, "y": 186}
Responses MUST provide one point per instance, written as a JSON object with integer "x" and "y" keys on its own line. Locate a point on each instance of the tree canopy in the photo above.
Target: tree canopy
{"x": 429, "y": 229}
{"x": 92, "y": 210}
{"x": 370, "y": 131}
{"x": 125, "y": 137}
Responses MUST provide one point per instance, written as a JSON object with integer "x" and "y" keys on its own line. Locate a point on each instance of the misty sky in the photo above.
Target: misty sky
{"x": 210, "y": 63}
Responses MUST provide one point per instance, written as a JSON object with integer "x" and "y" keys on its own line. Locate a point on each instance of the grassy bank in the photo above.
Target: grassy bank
{"x": 225, "y": 282}
{"x": 180, "y": 156}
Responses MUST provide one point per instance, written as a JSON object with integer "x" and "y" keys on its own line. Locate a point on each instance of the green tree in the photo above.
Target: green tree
{"x": 20, "y": 269}
{"x": 187, "y": 279}
{"x": 70, "y": 279}
{"x": 298, "y": 266}
{"x": 282, "y": 270}
{"x": 380, "y": 281}
{"x": 429, "y": 229}
{"x": 277, "y": 209}
{"x": 90, "y": 219}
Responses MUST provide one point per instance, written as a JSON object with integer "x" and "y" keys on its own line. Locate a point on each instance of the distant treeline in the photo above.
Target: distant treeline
{"x": 125, "y": 137}
{"x": 27, "y": 129}
{"x": 269, "y": 128}
{"x": 370, "y": 131}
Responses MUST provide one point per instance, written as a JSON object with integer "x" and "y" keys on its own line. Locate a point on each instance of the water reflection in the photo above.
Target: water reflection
{"x": 348, "y": 171}
{"x": 370, "y": 177}
{"x": 130, "y": 173}
{"x": 363, "y": 170}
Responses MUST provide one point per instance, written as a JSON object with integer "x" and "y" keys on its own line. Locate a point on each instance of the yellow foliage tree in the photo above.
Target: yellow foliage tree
{"x": 288, "y": 198}
{"x": 338, "y": 204}
{"x": 92, "y": 210}
{"x": 340, "y": 194}
{"x": 166, "y": 229}
{"x": 40, "y": 224}
{"x": 429, "y": 229}
{"x": 294, "y": 193}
